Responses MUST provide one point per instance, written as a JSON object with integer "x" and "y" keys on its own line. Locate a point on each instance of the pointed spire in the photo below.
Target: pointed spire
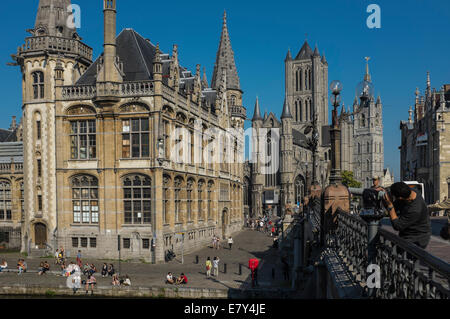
{"x": 51, "y": 19}
{"x": 367, "y": 76}
{"x": 225, "y": 60}
{"x": 343, "y": 109}
{"x": 324, "y": 60}
{"x": 305, "y": 52}
{"x": 316, "y": 51}
{"x": 257, "y": 113}
{"x": 288, "y": 55}
{"x": 205, "y": 79}
{"x": 379, "y": 99}
{"x": 286, "y": 110}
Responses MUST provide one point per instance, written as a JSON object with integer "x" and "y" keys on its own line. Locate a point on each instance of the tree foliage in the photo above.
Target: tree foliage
{"x": 349, "y": 180}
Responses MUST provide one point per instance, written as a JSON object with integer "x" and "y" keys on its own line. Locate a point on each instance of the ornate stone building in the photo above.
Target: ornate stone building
{"x": 11, "y": 186}
{"x": 362, "y": 145}
{"x": 283, "y": 144}
{"x": 103, "y": 156}
{"x": 424, "y": 150}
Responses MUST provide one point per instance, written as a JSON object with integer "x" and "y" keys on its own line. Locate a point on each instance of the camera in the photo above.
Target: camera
{"x": 373, "y": 202}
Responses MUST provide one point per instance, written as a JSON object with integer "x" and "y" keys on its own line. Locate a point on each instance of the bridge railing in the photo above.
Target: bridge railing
{"x": 406, "y": 270}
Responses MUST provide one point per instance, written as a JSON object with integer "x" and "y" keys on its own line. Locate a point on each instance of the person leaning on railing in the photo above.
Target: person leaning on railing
{"x": 409, "y": 214}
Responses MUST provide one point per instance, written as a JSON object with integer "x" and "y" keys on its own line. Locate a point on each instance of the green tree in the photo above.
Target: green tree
{"x": 349, "y": 180}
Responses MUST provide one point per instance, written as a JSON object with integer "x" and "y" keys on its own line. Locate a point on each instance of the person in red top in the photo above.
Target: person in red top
{"x": 182, "y": 280}
{"x": 253, "y": 265}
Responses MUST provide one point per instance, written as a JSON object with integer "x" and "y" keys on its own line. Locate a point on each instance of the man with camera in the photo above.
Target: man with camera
{"x": 409, "y": 214}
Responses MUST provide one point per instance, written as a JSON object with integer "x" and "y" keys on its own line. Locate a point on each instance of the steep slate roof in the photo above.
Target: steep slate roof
{"x": 136, "y": 54}
{"x": 7, "y": 135}
{"x": 305, "y": 52}
{"x": 299, "y": 139}
{"x": 11, "y": 151}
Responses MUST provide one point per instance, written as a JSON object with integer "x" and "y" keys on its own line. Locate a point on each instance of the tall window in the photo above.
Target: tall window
{"x": 166, "y": 197}
{"x": 200, "y": 200}
{"x": 137, "y": 200}
{"x": 83, "y": 140}
{"x": 22, "y": 199}
{"x": 301, "y": 111}
{"x": 177, "y": 201}
{"x": 38, "y": 85}
{"x": 189, "y": 200}
{"x": 209, "y": 200}
{"x": 39, "y": 168}
{"x": 38, "y": 130}
{"x": 39, "y": 199}
{"x": 135, "y": 138}
{"x": 85, "y": 200}
{"x": 5, "y": 200}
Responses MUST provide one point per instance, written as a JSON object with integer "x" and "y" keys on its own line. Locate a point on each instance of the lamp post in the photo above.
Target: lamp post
{"x": 313, "y": 145}
{"x": 335, "y": 133}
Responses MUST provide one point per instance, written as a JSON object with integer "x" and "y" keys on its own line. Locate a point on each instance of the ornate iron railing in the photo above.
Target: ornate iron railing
{"x": 406, "y": 270}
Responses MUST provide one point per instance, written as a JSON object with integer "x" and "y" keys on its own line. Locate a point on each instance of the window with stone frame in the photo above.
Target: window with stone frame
{"x": 38, "y": 85}
{"x": 190, "y": 184}
{"x": 83, "y": 140}
{"x": 5, "y": 200}
{"x": 177, "y": 199}
{"x": 137, "y": 199}
{"x": 136, "y": 138}
{"x": 85, "y": 203}
{"x": 166, "y": 198}
{"x": 209, "y": 193}
{"x": 200, "y": 200}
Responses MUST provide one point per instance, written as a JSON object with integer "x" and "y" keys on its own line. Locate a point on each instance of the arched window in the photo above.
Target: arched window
{"x": 310, "y": 80}
{"x": 177, "y": 199}
{"x": 306, "y": 80}
{"x": 137, "y": 199}
{"x": 359, "y": 148}
{"x": 363, "y": 120}
{"x": 200, "y": 200}
{"x": 311, "y": 111}
{"x": 5, "y": 200}
{"x": 209, "y": 190}
{"x": 166, "y": 198}
{"x": 38, "y": 85}
{"x": 296, "y": 111}
{"x": 85, "y": 200}
{"x": 368, "y": 147}
{"x": 299, "y": 189}
{"x": 135, "y": 138}
{"x": 306, "y": 110}
{"x": 301, "y": 111}
{"x": 190, "y": 185}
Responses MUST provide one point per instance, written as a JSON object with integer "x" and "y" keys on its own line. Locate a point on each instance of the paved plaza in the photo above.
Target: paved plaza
{"x": 247, "y": 244}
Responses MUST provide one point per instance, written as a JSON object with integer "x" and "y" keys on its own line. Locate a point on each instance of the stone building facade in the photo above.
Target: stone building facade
{"x": 283, "y": 144}
{"x": 11, "y": 187}
{"x": 424, "y": 150}
{"x": 111, "y": 147}
{"x": 362, "y": 144}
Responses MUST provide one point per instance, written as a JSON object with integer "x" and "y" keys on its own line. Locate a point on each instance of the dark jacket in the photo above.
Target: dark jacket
{"x": 413, "y": 223}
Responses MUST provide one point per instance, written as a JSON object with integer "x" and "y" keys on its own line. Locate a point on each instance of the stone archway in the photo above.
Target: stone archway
{"x": 40, "y": 235}
{"x": 225, "y": 219}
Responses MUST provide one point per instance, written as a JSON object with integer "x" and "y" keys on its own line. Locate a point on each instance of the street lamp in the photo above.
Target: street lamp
{"x": 335, "y": 133}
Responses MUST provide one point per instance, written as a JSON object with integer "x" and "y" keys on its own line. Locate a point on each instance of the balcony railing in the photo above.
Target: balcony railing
{"x": 57, "y": 44}
{"x": 11, "y": 167}
{"x": 238, "y": 111}
{"x": 126, "y": 89}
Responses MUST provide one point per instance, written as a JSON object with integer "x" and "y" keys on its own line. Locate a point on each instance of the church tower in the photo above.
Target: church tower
{"x": 287, "y": 157}
{"x": 368, "y": 138}
{"x": 52, "y": 56}
{"x": 307, "y": 86}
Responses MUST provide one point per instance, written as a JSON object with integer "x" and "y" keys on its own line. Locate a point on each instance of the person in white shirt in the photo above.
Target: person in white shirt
{"x": 4, "y": 265}
{"x": 216, "y": 266}
{"x": 169, "y": 279}
{"x": 230, "y": 242}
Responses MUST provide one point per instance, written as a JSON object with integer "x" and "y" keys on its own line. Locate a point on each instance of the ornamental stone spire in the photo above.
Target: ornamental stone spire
{"x": 225, "y": 60}
{"x": 52, "y": 19}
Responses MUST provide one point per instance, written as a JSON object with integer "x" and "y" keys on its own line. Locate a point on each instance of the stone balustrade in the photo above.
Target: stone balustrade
{"x": 58, "y": 44}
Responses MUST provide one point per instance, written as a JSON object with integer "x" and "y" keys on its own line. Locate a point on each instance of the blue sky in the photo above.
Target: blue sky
{"x": 413, "y": 39}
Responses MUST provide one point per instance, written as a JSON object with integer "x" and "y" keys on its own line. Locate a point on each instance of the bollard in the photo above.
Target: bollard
{"x": 240, "y": 269}
{"x": 224, "y": 268}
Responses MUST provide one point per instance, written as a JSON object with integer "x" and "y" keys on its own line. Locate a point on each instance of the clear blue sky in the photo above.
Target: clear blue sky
{"x": 413, "y": 39}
